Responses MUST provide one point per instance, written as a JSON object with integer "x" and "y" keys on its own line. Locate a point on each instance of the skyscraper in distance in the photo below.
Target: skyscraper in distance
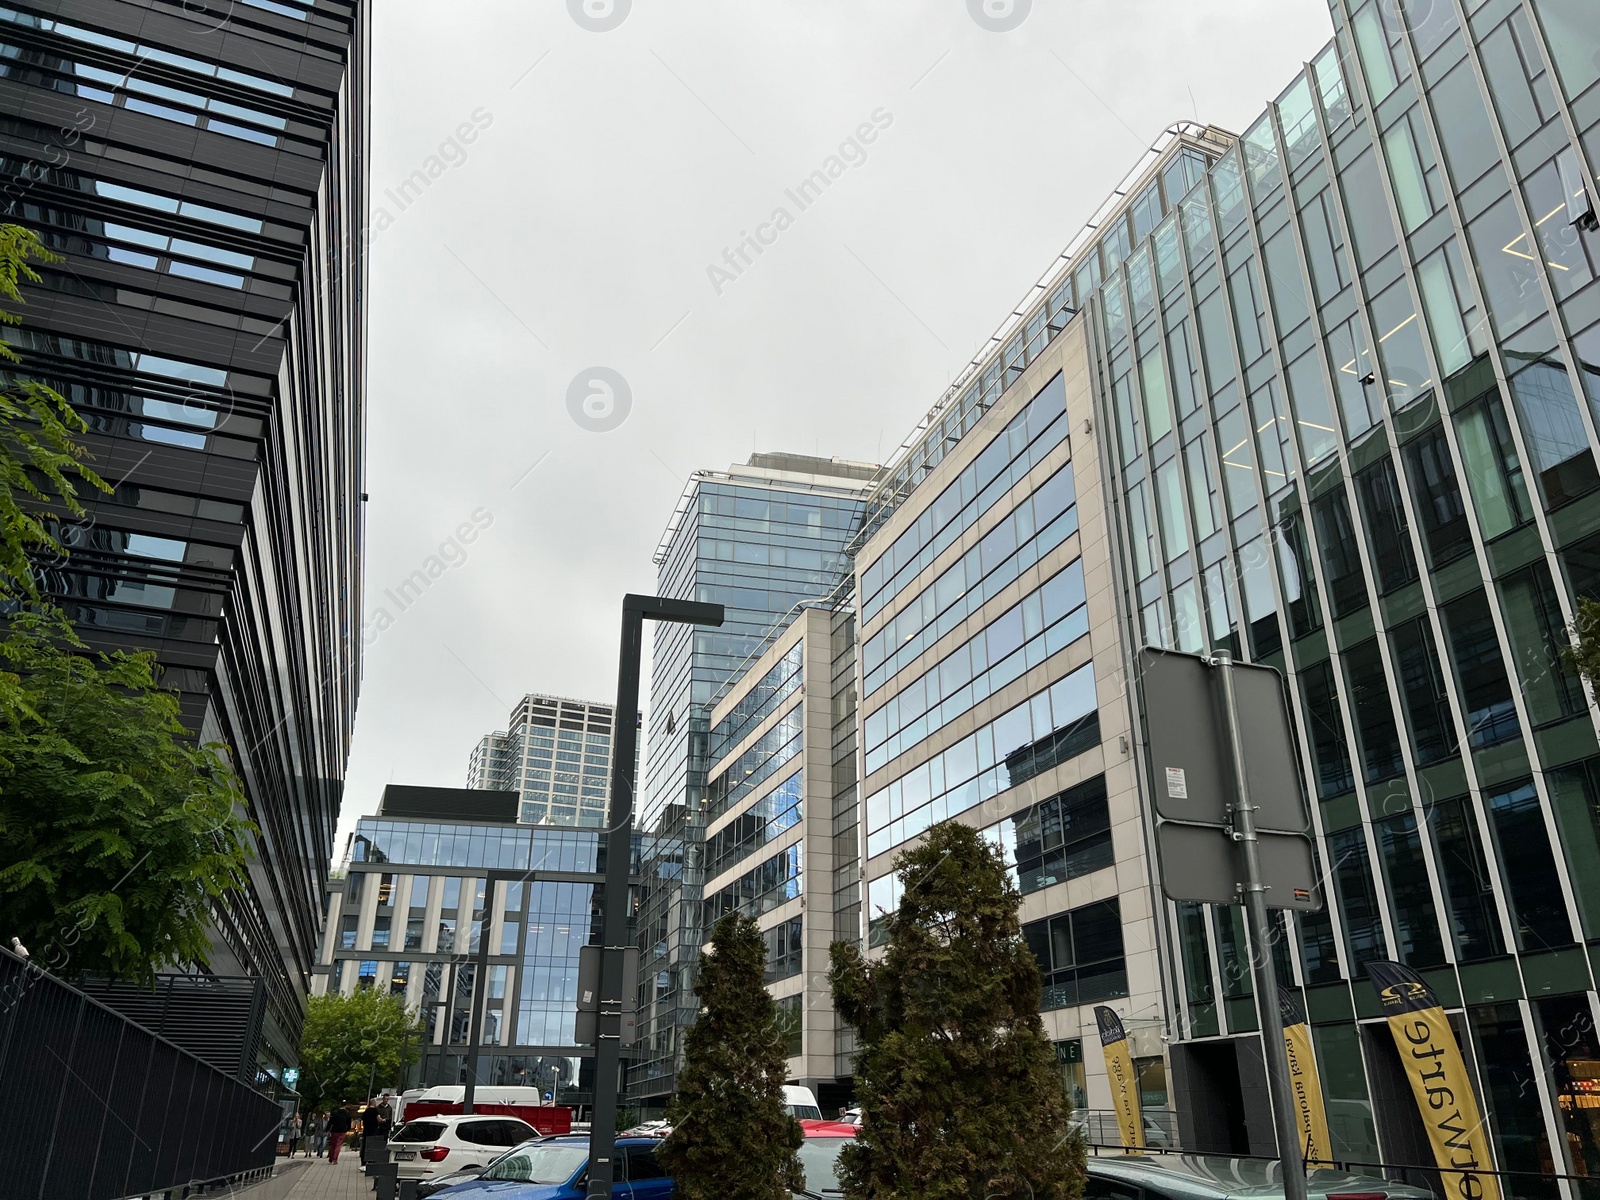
{"x": 761, "y": 538}
{"x": 556, "y": 753}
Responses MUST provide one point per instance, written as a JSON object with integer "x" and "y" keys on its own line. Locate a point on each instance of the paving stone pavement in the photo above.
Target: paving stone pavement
{"x": 322, "y": 1180}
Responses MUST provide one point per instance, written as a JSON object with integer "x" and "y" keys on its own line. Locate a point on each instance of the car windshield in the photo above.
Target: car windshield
{"x": 419, "y": 1131}
{"x": 819, "y": 1159}
{"x": 804, "y": 1112}
{"x": 539, "y": 1163}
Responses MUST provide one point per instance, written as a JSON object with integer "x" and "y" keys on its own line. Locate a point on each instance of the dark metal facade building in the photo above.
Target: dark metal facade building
{"x": 201, "y": 168}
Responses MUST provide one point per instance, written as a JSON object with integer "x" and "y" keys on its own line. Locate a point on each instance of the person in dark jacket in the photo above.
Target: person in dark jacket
{"x": 376, "y": 1121}
{"x": 338, "y": 1125}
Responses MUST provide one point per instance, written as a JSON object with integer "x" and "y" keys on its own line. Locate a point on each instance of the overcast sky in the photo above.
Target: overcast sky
{"x": 571, "y": 190}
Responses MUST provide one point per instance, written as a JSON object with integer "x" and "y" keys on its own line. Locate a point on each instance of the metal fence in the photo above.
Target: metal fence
{"x": 1514, "y": 1185}
{"x": 95, "y": 1107}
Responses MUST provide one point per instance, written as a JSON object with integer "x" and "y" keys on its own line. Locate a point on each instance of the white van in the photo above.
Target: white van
{"x": 800, "y": 1104}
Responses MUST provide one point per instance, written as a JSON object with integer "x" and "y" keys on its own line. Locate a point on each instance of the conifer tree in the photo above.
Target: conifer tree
{"x": 730, "y": 1134}
{"x": 960, "y": 1095}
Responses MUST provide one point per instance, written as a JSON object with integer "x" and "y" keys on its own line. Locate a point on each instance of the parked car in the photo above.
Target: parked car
{"x": 650, "y": 1129}
{"x": 444, "y": 1144}
{"x": 1219, "y": 1177}
{"x": 819, "y": 1157}
{"x": 432, "y": 1187}
{"x": 558, "y": 1169}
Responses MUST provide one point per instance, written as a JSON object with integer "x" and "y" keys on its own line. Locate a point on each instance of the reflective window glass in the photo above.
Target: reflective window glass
{"x": 1468, "y": 884}
{"x": 1422, "y": 688}
{"x": 1416, "y": 925}
{"x": 1329, "y": 747}
{"x": 1358, "y": 900}
{"x": 1493, "y": 469}
{"x": 1480, "y": 671}
{"x": 1370, "y": 703}
{"x": 1538, "y": 911}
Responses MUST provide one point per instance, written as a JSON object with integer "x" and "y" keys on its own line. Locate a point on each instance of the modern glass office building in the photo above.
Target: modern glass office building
{"x": 407, "y": 916}
{"x": 557, "y": 754}
{"x": 760, "y": 539}
{"x": 201, "y": 167}
{"x": 991, "y": 679}
{"x": 1349, "y": 373}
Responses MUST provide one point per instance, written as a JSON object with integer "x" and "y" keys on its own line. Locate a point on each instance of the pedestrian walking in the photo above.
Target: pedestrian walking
{"x": 296, "y": 1129}
{"x": 318, "y": 1141}
{"x": 338, "y": 1125}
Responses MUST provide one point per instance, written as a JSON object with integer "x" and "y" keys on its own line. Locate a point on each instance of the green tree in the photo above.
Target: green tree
{"x": 1584, "y": 658}
{"x": 730, "y": 1134}
{"x": 350, "y": 1047}
{"x": 117, "y": 833}
{"x": 960, "y": 1094}
{"x": 41, "y": 463}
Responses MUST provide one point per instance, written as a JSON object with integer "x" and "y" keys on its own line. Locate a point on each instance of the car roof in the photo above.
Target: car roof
{"x": 452, "y": 1118}
{"x": 1212, "y": 1176}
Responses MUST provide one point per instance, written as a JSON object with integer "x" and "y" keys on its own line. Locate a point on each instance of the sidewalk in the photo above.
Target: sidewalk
{"x": 322, "y": 1180}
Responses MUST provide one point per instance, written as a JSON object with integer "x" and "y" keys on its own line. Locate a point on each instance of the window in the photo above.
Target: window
{"x": 1422, "y": 687}
{"x": 1493, "y": 469}
{"x": 1538, "y": 636}
{"x": 1437, "y": 494}
{"x": 1509, "y": 274}
{"x": 1370, "y": 225}
{"x": 1485, "y": 691}
{"x": 785, "y": 947}
{"x": 1063, "y": 837}
{"x": 1469, "y": 887}
{"x": 1575, "y": 797}
{"x": 1374, "y": 715}
{"x": 1261, "y": 605}
{"x": 1387, "y": 532}
{"x": 367, "y": 976}
{"x": 347, "y": 931}
{"x": 1298, "y": 578}
{"x": 1405, "y": 169}
{"x": 1416, "y": 926}
{"x": 642, "y": 1164}
{"x": 1341, "y": 555}
{"x": 1080, "y": 955}
{"x": 1202, "y": 487}
{"x": 1352, "y": 877}
{"x": 1328, "y": 745}
{"x": 399, "y": 977}
{"x": 1538, "y": 911}
{"x": 1157, "y": 406}
{"x": 789, "y": 1015}
{"x": 1196, "y": 953}
{"x": 1553, "y": 431}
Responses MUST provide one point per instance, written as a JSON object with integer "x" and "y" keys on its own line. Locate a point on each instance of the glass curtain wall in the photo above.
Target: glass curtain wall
{"x": 1379, "y": 317}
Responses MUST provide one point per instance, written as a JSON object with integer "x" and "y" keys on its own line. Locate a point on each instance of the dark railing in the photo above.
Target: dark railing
{"x": 95, "y": 1107}
{"x": 1514, "y": 1185}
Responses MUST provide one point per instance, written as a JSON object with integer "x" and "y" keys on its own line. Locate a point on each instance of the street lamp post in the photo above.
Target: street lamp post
{"x": 636, "y": 610}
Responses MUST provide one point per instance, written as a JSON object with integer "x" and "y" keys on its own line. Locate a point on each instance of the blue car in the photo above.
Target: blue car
{"x": 557, "y": 1168}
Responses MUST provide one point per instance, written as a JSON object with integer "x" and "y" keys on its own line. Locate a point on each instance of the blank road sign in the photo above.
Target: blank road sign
{"x": 1201, "y": 863}
{"x": 1188, "y": 742}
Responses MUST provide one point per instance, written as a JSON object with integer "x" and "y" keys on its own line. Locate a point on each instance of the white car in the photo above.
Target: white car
{"x": 443, "y": 1144}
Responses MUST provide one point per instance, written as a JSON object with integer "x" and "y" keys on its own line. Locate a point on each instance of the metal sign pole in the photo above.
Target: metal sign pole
{"x": 1263, "y": 967}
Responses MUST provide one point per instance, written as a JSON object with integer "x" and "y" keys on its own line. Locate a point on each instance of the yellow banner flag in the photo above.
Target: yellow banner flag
{"x": 1305, "y": 1084}
{"x": 1432, "y": 1062}
{"x": 1124, "y": 1081}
